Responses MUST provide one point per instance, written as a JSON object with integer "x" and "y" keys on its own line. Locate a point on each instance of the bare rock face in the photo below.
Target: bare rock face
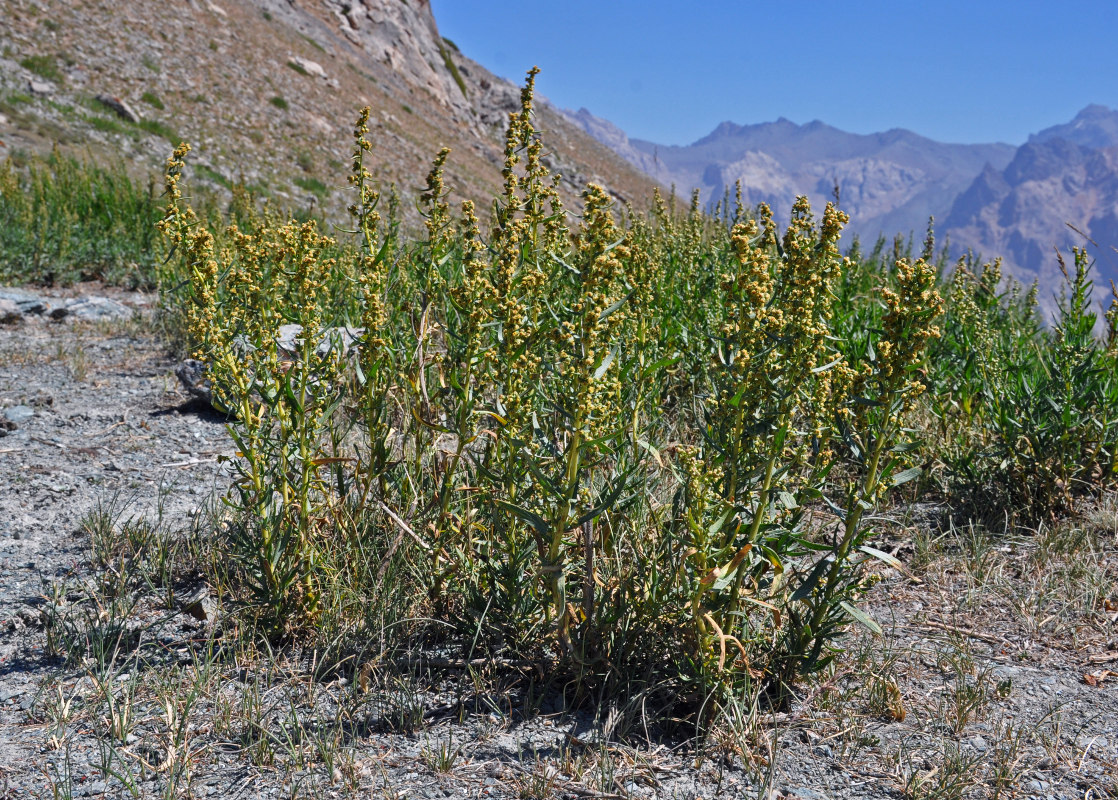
{"x": 404, "y": 37}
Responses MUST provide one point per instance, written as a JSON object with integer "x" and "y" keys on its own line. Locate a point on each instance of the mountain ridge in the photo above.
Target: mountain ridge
{"x": 1017, "y": 203}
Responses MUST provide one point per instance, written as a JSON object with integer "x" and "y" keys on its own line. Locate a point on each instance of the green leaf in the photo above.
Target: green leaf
{"x": 538, "y": 523}
{"x": 808, "y": 585}
{"x": 881, "y": 555}
{"x": 609, "y": 312}
{"x": 601, "y": 370}
{"x": 909, "y": 474}
{"x": 861, "y": 617}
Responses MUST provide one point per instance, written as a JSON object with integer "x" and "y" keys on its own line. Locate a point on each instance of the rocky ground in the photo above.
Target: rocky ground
{"x": 994, "y": 677}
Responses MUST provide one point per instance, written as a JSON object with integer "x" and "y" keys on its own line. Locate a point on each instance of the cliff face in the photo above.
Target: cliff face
{"x": 267, "y": 92}
{"x": 1023, "y": 213}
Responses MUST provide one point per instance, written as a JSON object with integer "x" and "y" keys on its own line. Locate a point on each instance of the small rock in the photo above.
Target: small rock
{"x": 18, "y": 414}
{"x": 92, "y": 308}
{"x": 823, "y": 751}
{"x": 217, "y": 10}
{"x": 199, "y": 605}
{"x": 192, "y": 375}
{"x": 9, "y": 312}
{"x": 1036, "y": 787}
{"x": 119, "y": 107}
{"x": 27, "y": 302}
{"x": 310, "y": 67}
{"x": 40, "y": 88}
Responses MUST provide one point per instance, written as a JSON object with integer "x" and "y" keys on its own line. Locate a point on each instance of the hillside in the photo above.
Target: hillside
{"x": 267, "y": 92}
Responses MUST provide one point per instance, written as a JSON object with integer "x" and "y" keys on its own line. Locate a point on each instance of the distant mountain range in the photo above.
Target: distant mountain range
{"x": 995, "y": 199}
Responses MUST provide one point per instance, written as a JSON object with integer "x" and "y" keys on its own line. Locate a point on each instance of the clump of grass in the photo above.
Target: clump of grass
{"x": 153, "y": 100}
{"x": 279, "y": 103}
{"x": 160, "y": 129}
{"x": 312, "y": 185}
{"x": 452, "y": 68}
{"x": 298, "y": 68}
{"x": 45, "y": 66}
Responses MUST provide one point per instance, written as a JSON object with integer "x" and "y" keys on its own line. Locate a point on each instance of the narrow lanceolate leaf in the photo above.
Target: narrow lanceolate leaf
{"x": 538, "y": 523}
{"x": 826, "y": 367}
{"x": 881, "y": 555}
{"x": 609, "y": 312}
{"x": 906, "y": 476}
{"x": 861, "y": 617}
{"x": 601, "y": 370}
{"x": 813, "y": 579}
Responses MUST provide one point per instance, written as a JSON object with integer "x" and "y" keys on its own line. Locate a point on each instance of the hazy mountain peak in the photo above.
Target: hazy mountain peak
{"x": 1094, "y": 126}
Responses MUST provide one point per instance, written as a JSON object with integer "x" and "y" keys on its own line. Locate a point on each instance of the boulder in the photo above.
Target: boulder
{"x": 119, "y": 107}
{"x": 27, "y": 302}
{"x": 91, "y": 308}
{"x": 40, "y": 88}
{"x": 309, "y": 67}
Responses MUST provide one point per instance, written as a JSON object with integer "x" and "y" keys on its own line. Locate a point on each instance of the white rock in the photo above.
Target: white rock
{"x": 310, "y": 67}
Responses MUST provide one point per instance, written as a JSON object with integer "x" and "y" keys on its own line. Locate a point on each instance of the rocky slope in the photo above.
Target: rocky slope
{"x": 888, "y": 181}
{"x": 267, "y": 92}
{"x": 1066, "y": 175}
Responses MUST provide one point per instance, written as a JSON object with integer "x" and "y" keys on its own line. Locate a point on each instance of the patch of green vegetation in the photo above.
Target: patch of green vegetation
{"x": 407, "y": 108}
{"x": 298, "y": 68}
{"x": 353, "y": 67}
{"x": 52, "y": 25}
{"x": 152, "y": 100}
{"x": 266, "y": 15}
{"x": 106, "y": 124}
{"x": 279, "y": 103}
{"x": 213, "y": 175}
{"x": 450, "y": 43}
{"x": 44, "y": 66}
{"x": 312, "y": 43}
{"x": 149, "y": 62}
{"x": 312, "y": 185}
{"x": 160, "y": 129}
{"x": 453, "y": 69}
{"x": 63, "y": 220}
{"x": 9, "y": 103}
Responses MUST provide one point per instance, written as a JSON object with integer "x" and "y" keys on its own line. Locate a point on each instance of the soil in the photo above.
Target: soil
{"x": 991, "y": 684}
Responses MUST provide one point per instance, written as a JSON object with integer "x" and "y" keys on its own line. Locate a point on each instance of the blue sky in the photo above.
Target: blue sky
{"x": 977, "y": 71}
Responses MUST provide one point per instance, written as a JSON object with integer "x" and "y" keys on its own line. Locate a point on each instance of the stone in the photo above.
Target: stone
{"x": 17, "y": 415}
{"x": 192, "y": 375}
{"x": 40, "y": 88}
{"x": 9, "y": 312}
{"x": 27, "y": 302}
{"x": 119, "y": 107}
{"x": 92, "y": 308}
{"x": 217, "y": 10}
{"x": 310, "y": 67}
